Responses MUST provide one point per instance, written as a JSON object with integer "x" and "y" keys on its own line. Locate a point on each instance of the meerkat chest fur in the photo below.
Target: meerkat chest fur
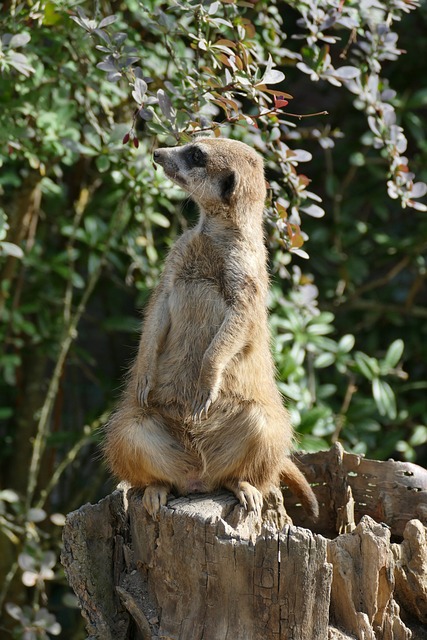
{"x": 217, "y": 266}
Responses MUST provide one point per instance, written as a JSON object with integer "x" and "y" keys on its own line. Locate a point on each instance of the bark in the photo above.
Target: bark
{"x": 207, "y": 570}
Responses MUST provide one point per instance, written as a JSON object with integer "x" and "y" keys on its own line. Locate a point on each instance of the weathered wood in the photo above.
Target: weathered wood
{"x": 411, "y": 570}
{"x": 390, "y": 492}
{"x": 130, "y": 603}
{"x": 363, "y": 584}
{"x": 207, "y": 570}
{"x": 91, "y": 556}
{"x": 213, "y": 580}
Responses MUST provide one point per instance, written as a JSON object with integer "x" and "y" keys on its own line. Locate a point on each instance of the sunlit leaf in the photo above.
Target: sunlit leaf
{"x": 394, "y": 353}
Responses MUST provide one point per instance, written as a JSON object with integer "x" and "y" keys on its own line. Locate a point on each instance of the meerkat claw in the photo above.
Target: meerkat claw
{"x": 207, "y": 406}
{"x": 249, "y": 497}
{"x": 201, "y": 408}
{"x": 143, "y": 390}
{"x": 155, "y": 497}
{"x": 145, "y": 395}
{"x": 197, "y": 415}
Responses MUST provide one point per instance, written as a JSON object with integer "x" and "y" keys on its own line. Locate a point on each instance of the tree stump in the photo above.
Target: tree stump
{"x": 207, "y": 570}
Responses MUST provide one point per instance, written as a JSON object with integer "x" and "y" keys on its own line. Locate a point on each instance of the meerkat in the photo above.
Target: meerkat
{"x": 201, "y": 409}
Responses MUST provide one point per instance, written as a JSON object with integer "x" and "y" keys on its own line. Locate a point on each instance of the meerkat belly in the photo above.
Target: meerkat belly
{"x": 197, "y": 311}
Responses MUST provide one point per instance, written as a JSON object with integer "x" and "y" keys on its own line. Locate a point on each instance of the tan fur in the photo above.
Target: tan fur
{"x": 201, "y": 409}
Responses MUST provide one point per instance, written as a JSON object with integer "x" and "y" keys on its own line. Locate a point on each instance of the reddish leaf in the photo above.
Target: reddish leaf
{"x": 279, "y": 102}
{"x": 224, "y": 59}
{"x": 249, "y": 28}
{"x": 304, "y": 180}
{"x": 281, "y": 210}
{"x": 273, "y": 92}
{"x": 226, "y": 43}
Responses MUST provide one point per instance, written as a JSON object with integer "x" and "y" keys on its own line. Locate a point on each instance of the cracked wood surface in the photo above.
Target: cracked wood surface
{"x": 207, "y": 570}
{"x": 387, "y": 491}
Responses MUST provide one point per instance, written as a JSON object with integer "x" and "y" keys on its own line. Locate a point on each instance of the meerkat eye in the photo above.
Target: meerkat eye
{"x": 197, "y": 157}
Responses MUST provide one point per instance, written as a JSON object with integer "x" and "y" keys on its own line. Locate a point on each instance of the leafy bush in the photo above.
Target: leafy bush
{"x": 87, "y": 92}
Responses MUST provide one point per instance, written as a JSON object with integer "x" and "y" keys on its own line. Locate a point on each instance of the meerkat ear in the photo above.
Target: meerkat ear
{"x": 228, "y": 186}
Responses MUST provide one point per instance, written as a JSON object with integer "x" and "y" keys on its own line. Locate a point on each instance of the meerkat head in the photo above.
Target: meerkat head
{"x": 221, "y": 175}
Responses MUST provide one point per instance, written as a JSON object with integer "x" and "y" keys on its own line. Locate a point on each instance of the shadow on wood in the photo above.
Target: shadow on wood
{"x": 207, "y": 570}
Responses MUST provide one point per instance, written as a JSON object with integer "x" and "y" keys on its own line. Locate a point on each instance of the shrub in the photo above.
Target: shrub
{"x": 86, "y": 219}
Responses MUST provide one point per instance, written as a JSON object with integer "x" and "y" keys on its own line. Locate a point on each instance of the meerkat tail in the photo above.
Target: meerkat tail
{"x": 298, "y": 484}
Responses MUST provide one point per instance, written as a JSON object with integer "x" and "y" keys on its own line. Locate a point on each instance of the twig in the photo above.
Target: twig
{"x": 380, "y": 282}
{"x": 373, "y": 305}
{"x": 79, "y": 208}
{"x": 351, "y": 390}
{"x": 7, "y": 582}
{"x": 352, "y": 39}
{"x": 42, "y": 427}
{"x": 70, "y": 457}
{"x": 300, "y": 116}
{"x": 130, "y": 604}
{"x": 235, "y": 119}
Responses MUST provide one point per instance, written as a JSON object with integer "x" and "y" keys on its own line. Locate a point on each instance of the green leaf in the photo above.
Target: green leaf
{"x": 311, "y": 418}
{"x": 105, "y": 22}
{"x": 94, "y": 262}
{"x": 8, "y": 495}
{"x": 384, "y": 398}
{"x": 319, "y": 329}
{"x": 19, "y": 40}
{"x": 394, "y": 353}
{"x": 346, "y": 343}
{"x": 152, "y": 253}
{"x": 271, "y": 76}
{"x": 10, "y": 249}
{"x": 326, "y": 317}
{"x": 419, "y": 436}
{"x": 312, "y": 443}
{"x": 77, "y": 280}
{"x": 405, "y": 448}
{"x": 102, "y": 163}
{"x": 36, "y": 515}
{"x": 367, "y": 366}
{"x": 324, "y": 360}
{"x": 159, "y": 219}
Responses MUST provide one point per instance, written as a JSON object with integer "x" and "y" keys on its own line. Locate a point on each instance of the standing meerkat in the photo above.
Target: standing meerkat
{"x": 201, "y": 409}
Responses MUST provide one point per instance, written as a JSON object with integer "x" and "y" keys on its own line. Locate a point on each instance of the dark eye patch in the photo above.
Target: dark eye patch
{"x": 195, "y": 157}
{"x": 228, "y": 185}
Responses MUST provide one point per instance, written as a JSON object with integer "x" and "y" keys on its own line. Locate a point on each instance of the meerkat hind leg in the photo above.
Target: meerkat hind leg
{"x": 155, "y": 497}
{"x": 248, "y": 495}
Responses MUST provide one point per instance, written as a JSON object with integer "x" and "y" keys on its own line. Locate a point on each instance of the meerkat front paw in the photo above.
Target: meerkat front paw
{"x": 249, "y": 496}
{"x": 205, "y": 398}
{"x": 144, "y": 386}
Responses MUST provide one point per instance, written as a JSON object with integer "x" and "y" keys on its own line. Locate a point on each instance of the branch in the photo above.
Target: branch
{"x": 373, "y": 305}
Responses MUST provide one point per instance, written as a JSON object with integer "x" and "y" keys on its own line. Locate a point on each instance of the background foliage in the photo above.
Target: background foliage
{"x": 88, "y": 89}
